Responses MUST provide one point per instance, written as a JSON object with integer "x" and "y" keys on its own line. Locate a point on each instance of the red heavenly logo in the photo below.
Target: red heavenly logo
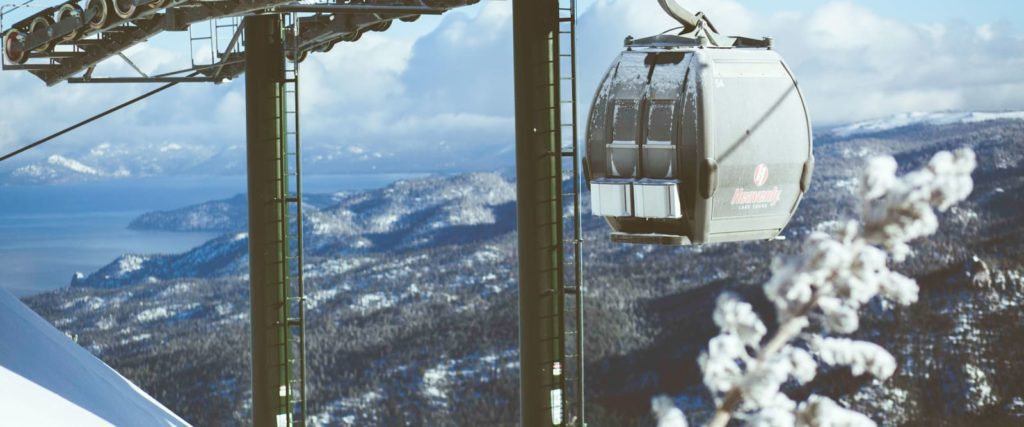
{"x": 758, "y": 197}
{"x": 760, "y": 174}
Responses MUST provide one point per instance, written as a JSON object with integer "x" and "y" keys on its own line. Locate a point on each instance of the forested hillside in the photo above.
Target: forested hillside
{"x": 413, "y": 305}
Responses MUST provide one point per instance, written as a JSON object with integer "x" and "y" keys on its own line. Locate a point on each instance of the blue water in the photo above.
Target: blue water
{"x": 47, "y": 233}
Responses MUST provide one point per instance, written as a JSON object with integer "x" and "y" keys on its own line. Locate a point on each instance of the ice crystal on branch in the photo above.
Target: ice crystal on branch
{"x": 826, "y": 285}
{"x": 737, "y": 317}
{"x": 861, "y": 356}
{"x": 666, "y": 412}
{"x": 898, "y": 210}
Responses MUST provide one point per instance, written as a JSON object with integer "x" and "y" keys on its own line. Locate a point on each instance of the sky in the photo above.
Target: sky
{"x": 445, "y": 83}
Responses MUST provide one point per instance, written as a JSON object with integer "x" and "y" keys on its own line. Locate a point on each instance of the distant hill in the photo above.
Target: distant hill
{"x": 412, "y": 302}
{"x": 48, "y": 380}
{"x": 900, "y": 121}
{"x": 112, "y": 161}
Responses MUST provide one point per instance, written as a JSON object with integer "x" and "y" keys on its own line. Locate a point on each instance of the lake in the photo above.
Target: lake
{"x": 49, "y": 232}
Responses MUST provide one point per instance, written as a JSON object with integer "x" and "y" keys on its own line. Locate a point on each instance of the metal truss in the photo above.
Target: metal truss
{"x": 68, "y": 49}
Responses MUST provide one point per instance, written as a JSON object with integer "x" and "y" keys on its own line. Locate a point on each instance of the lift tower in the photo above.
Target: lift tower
{"x": 550, "y": 295}
{"x": 268, "y": 220}
{"x": 64, "y": 43}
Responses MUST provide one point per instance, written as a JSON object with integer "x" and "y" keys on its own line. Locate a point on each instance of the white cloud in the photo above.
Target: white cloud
{"x": 404, "y": 91}
{"x": 852, "y": 63}
{"x": 354, "y": 76}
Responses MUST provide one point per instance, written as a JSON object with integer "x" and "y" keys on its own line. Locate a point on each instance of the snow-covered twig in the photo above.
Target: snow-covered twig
{"x": 826, "y": 285}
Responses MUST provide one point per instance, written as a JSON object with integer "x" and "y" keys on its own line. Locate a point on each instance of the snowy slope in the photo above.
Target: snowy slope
{"x": 915, "y": 119}
{"x": 48, "y": 380}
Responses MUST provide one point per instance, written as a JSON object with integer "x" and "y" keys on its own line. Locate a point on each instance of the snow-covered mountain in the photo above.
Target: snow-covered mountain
{"x": 412, "y": 305}
{"x": 48, "y": 380}
{"x": 129, "y": 160}
{"x": 126, "y": 160}
{"x": 60, "y": 169}
{"x": 410, "y": 207}
{"x": 903, "y": 120}
{"x": 408, "y": 214}
{"x": 224, "y": 256}
{"x": 115, "y": 161}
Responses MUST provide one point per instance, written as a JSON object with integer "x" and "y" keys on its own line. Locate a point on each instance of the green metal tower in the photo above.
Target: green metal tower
{"x": 538, "y": 29}
{"x": 268, "y": 219}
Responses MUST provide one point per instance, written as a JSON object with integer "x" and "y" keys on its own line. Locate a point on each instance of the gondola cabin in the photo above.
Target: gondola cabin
{"x": 699, "y": 139}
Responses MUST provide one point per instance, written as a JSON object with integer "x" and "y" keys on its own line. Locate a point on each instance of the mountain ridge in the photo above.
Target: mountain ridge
{"x": 404, "y": 329}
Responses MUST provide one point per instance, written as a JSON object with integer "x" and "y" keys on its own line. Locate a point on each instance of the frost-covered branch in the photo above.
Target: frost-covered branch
{"x": 826, "y": 285}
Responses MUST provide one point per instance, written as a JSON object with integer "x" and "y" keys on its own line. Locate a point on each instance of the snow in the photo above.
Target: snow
{"x": 666, "y": 412}
{"x": 313, "y": 300}
{"x": 435, "y": 382}
{"x": 151, "y": 314}
{"x": 861, "y": 356}
{"x": 920, "y": 118}
{"x": 130, "y": 263}
{"x": 48, "y": 380}
{"x": 372, "y": 302}
{"x": 105, "y": 323}
{"x": 178, "y": 289}
{"x": 73, "y": 165}
{"x": 979, "y": 392}
{"x": 830, "y": 281}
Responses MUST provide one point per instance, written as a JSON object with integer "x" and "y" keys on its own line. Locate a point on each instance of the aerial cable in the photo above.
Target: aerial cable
{"x": 89, "y": 120}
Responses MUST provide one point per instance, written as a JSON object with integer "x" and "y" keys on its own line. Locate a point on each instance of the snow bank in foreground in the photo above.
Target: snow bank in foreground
{"x": 912, "y": 119}
{"x": 48, "y": 380}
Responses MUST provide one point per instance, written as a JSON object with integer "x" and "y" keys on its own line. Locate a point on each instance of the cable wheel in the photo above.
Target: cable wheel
{"x": 102, "y": 16}
{"x": 124, "y": 9}
{"x": 13, "y": 55}
{"x": 354, "y": 36}
{"x": 381, "y": 26}
{"x": 69, "y": 11}
{"x": 290, "y": 55}
{"x": 411, "y": 18}
{"x": 326, "y": 47}
{"x": 41, "y": 23}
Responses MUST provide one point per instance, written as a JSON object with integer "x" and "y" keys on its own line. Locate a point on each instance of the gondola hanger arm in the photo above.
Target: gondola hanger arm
{"x": 681, "y": 14}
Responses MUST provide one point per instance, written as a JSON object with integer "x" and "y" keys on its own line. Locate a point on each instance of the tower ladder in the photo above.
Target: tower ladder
{"x": 293, "y": 369}
{"x": 572, "y": 286}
